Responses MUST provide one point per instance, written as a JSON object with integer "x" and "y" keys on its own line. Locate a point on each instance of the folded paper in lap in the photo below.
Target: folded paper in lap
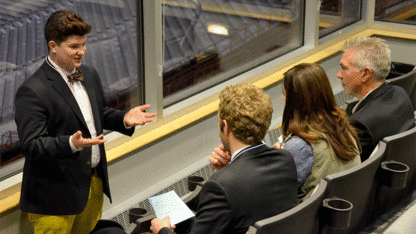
{"x": 170, "y": 204}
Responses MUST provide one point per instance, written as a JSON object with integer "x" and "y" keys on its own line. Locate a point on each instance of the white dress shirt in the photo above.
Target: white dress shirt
{"x": 81, "y": 96}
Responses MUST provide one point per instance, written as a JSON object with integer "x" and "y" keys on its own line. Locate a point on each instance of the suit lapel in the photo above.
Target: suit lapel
{"x": 374, "y": 94}
{"x": 89, "y": 86}
{"x": 62, "y": 88}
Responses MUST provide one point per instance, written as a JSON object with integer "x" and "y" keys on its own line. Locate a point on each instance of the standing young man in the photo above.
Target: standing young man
{"x": 60, "y": 115}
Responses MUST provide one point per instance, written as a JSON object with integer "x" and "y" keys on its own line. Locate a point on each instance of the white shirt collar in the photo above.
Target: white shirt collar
{"x": 361, "y": 100}
{"x": 244, "y": 149}
{"x": 61, "y": 71}
{"x": 237, "y": 152}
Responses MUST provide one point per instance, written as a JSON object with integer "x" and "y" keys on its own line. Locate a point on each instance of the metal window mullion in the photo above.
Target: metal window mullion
{"x": 311, "y": 26}
{"x": 153, "y": 62}
{"x": 368, "y": 12}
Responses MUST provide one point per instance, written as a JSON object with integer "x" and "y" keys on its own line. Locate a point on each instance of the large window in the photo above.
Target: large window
{"x": 207, "y": 42}
{"x": 403, "y": 11}
{"x": 111, "y": 49}
{"x": 335, "y": 14}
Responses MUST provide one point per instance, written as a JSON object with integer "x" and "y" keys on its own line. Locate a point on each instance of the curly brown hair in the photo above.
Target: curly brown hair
{"x": 311, "y": 111}
{"x": 63, "y": 24}
{"x": 248, "y": 111}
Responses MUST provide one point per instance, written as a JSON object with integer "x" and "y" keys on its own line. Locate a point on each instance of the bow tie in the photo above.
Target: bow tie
{"x": 77, "y": 76}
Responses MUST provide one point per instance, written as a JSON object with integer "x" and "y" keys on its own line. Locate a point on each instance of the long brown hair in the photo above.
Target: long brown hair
{"x": 311, "y": 111}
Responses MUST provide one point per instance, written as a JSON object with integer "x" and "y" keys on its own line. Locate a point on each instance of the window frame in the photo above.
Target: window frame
{"x": 153, "y": 69}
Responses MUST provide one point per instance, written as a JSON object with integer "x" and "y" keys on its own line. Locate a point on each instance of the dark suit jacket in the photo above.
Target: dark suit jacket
{"x": 384, "y": 112}
{"x": 55, "y": 180}
{"x": 258, "y": 184}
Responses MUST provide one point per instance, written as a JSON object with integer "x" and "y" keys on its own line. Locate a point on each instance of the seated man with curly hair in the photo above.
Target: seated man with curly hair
{"x": 258, "y": 183}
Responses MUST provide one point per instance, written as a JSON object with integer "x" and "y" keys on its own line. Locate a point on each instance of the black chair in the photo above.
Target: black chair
{"x": 193, "y": 198}
{"x": 303, "y": 218}
{"x": 404, "y": 75}
{"x": 402, "y": 148}
{"x": 406, "y": 81}
{"x": 399, "y": 148}
{"x": 104, "y": 226}
{"x": 141, "y": 225}
{"x": 413, "y": 97}
{"x": 356, "y": 185}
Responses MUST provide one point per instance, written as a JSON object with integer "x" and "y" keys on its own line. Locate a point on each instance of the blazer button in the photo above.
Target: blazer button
{"x": 89, "y": 164}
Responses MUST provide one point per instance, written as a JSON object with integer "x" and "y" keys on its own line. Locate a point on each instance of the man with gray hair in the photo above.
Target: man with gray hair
{"x": 381, "y": 110}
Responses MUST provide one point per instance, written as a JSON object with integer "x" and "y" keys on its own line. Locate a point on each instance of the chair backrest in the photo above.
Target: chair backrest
{"x": 300, "y": 220}
{"x": 400, "y": 148}
{"x": 413, "y": 97}
{"x": 357, "y": 185}
{"x": 406, "y": 81}
{"x": 192, "y": 199}
{"x": 105, "y": 226}
{"x": 141, "y": 225}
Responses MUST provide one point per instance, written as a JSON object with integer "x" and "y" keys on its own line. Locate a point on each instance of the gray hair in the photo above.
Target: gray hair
{"x": 371, "y": 52}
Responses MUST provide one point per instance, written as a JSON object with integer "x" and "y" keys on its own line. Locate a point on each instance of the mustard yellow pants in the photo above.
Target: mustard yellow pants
{"x": 73, "y": 224}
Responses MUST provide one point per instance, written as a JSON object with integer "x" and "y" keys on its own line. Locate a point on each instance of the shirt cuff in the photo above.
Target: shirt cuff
{"x": 73, "y": 148}
{"x": 124, "y": 122}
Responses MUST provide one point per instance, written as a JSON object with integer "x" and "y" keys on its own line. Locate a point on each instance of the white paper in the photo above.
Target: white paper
{"x": 280, "y": 139}
{"x": 170, "y": 204}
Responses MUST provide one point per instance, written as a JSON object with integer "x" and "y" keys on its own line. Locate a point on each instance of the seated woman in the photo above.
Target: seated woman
{"x": 316, "y": 131}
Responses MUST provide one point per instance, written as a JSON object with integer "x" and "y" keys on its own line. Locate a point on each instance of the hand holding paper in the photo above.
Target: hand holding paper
{"x": 170, "y": 204}
{"x": 158, "y": 224}
{"x": 279, "y": 144}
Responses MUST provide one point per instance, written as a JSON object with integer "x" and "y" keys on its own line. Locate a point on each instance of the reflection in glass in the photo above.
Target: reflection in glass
{"x": 111, "y": 50}
{"x": 336, "y": 14}
{"x": 209, "y": 41}
{"x": 403, "y": 11}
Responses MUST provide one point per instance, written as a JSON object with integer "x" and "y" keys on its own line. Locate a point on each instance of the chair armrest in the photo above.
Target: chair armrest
{"x": 131, "y": 228}
{"x": 141, "y": 225}
{"x": 192, "y": 199}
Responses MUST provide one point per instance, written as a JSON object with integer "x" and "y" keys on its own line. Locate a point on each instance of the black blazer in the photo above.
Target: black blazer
{"x": 258, "y": 184}
{"x": 384, "y": 112}
{"x": 55, "y": 180}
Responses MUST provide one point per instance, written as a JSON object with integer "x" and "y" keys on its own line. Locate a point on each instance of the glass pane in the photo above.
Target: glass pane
{"x": 402, "y": 11}
{"x": 209, "y": 41}
{"x": 336, "y": 14}
{"x": 111, "y": 50}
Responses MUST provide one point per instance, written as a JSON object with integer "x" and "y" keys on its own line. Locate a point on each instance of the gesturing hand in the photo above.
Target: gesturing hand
{"x": 79, "y": 141}
{"x": 137, "y": 116}
{"x": 220, "y": 158}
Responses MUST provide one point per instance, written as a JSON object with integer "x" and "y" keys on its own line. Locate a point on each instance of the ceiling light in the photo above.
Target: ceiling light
{"x": 218, "y": 29}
